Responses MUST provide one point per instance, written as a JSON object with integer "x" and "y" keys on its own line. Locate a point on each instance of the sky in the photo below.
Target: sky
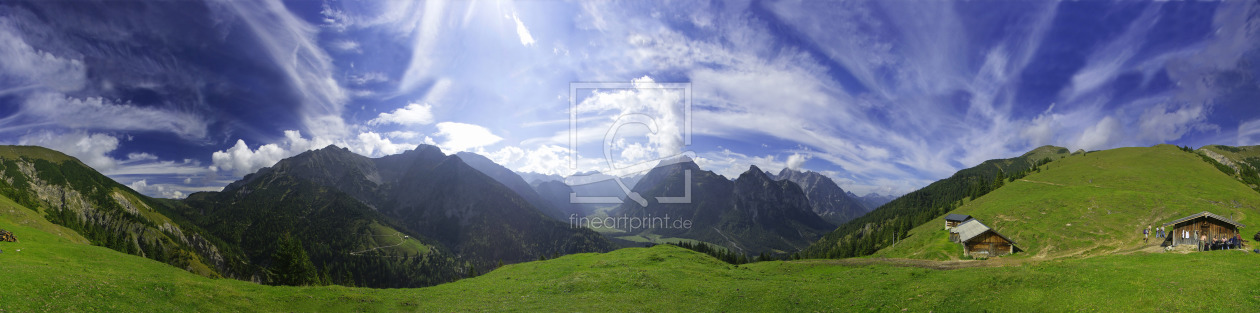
{"x": 177, "y": 97}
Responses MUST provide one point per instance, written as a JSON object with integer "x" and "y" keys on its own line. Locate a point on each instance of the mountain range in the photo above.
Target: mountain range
{"x": 753, "y": 214}
{"x": 412, "y": 219}
{"x": 330, "y": 216}
{"x": 828, "y": 200}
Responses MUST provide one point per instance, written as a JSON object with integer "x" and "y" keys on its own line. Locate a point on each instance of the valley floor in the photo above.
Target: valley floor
{"x": 52, "y": 273}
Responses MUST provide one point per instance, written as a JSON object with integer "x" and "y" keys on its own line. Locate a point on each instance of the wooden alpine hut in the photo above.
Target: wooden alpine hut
{"x": 978, "y": 240}
{"x": 1187, "y": 230}
{"x": 953, "y": 220}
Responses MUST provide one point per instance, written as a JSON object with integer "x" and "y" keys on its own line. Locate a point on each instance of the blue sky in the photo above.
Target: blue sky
{"x": 178, "y": 97}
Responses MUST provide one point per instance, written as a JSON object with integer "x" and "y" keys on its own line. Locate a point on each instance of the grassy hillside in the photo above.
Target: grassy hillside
{"x": 661, "y": 278}
{"x": 1242, "y": 163}
{"x": 891, "y": 222}
{"x": 64, "y": 191}
{"x": 1094, "y": 204}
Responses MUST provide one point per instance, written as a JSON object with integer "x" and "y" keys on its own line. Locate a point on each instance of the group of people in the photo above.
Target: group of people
{"x": 1159, "y": 233}
{"x": 1205, "y": 244}
{"x": 1219, "y": 243}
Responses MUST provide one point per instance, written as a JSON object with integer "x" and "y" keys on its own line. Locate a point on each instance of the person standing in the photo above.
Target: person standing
{"x": 1146, "y": 235}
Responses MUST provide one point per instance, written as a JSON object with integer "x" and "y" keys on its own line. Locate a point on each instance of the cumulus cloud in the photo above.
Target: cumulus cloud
{"x": 240, "y": 159}
{"x": 661, "y": 107}
{"x": 795, "y": 161}
{"x": 92, "y": 149}
{"x": 158, "y": 190}
{"x": 464, "y": 137}
{"x": 1160, "y": 124}
{"x": 1101, "y": 135}
{"x": 95, "y": 149}
{"x": 412, "y": 114}
{"x": 545, "y": 159}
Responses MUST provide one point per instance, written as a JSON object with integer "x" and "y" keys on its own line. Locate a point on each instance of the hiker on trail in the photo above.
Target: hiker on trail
{"x": 1146, "y": 234}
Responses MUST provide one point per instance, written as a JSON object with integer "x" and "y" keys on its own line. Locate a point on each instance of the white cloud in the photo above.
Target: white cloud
{"x": 402, "y": 134}
{"x": 347, "y": 46}
{"x": 240, "y": 159}
{"x": 662, "y": 107}
{"x": 412, "y": 114}
{"x": 169, "y": 191}
{"x": 795, "y": 161}
{"x": 335, "y": 19}
{"x": 372, "y": 144}
{"x": 730, "y": 164}
{"x": 526, "y": 39}
{"x": 92, "y": 149}
{"x": 368, "y": 78}
{"x": 463, "y": 137}
{"x": 421, "y": 21}
{"x": 1159, "y": 124}
{"x": 87, "y": 113}
{"x": 160, "y": 190}
{"x": 289, "y": 42}
{"x": 1101, "y": 135}
{"x": 546, "y": 159}
{"x": 1249, "y": 133}
{"x": 20, "y": 61}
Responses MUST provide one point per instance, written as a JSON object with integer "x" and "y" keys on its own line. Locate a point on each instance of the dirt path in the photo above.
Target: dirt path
{"x": 939, "y": 265}
{"x": 1042, "y": 182}
{"x": 401, "y": 240}
{"x": 728, "y": 239}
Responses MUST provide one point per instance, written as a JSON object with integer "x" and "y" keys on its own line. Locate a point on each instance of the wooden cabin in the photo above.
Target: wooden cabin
{"x": 1187, "y": 230}
{"x": 953, "y": 220}
{"x": 978, "y": 240}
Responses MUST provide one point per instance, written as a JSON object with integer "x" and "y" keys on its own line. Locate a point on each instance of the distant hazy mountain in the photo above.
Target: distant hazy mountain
{"x": 556, "y": 193}
{"x": 596, "y": 184}
{"x": 514, "y": 181}
{"x": 535, "y": 178}
{"x": 828, "y": 200}
{"x": 752, "y": 214}
{"x": 589, "y": 184}
{"x": 873, "y": 200}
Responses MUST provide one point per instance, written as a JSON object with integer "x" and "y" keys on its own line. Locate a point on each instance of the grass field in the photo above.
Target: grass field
{"x": 1096, "y": 204}
{"x": 1062, "y": 270}
{"x": 53, "y": 273}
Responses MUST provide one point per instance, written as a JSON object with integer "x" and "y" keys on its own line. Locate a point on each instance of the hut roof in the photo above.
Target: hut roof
{"x": 1204, "y": 214}
{"x": 957, "y": 217}
{"x": 972, "y": 228}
